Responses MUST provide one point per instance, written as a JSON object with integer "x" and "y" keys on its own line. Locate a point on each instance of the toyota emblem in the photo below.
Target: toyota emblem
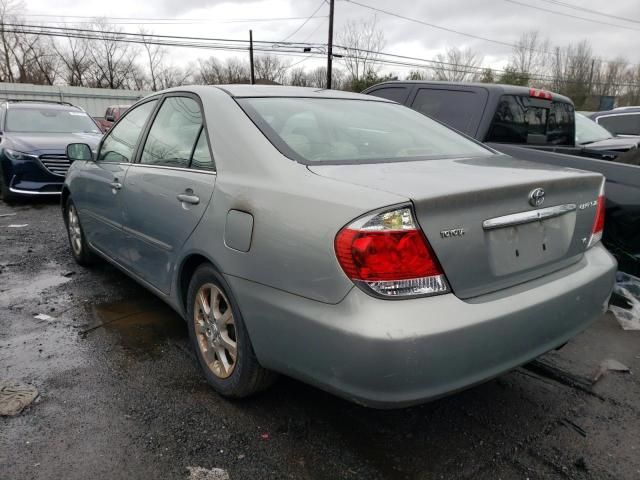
{"x": 536, "y": 197}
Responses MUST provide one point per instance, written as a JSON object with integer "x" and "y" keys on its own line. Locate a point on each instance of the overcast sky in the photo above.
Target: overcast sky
{"x": 500, "y": 20}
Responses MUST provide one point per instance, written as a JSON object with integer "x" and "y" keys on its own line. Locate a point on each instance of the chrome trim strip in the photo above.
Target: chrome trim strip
{"x": 527, "y": 217}
{"x": 154, "y": 242}
{"x": 118, "y": 226}
{"x": 31, "y": 192}
{"x": 180, "y": 169}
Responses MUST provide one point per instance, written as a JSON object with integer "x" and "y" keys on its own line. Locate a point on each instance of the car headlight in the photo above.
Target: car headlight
{"x": 15, "y": 155}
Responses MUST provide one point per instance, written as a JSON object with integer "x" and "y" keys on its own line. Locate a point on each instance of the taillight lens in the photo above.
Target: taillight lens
{"x": 387, "y": 254}
{"x": 598, "y": 221}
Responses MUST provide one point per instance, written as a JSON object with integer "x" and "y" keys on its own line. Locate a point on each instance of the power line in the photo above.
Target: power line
{"x": 588, "y": 10}
{"x": 555, "y": 12}
{"x": 303, "y": 23}
{"x": 114, "y": 35}
{"x": 156, "y": 19}
{"x": 478, "y": 37}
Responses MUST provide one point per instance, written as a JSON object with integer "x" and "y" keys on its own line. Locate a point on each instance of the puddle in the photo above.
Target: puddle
{"x": 29, "y": 288}
{"x": 142, "y": 325}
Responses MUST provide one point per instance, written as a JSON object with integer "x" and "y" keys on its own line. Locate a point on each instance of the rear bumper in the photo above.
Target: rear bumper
{"x": 389, "y": 354}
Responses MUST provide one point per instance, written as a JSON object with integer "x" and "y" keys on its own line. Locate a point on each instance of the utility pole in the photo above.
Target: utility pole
{"x": 253, "y": 73}
{"x": 330, "y": 45}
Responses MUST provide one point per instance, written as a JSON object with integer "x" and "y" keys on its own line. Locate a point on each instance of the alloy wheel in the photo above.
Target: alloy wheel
{"x": 215, "y": 330}
{"x": 75, "y": 233}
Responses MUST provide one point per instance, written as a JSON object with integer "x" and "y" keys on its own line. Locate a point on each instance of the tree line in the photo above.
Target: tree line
{"x": 104, "y": 60}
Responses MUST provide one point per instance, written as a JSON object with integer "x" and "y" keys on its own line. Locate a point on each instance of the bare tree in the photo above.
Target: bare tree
{"x": 572, "y": 71}
{"x": 362, "y": 43}
{"x": 418, "y": 75}
{"x": 457, "y": 65}
{"x": 76, "y": 60}
{"x": 530, "y": 55}
{"x": 298, "y": 77}
{"x": 270, "y": 68}
{"x": 113, "y": 59}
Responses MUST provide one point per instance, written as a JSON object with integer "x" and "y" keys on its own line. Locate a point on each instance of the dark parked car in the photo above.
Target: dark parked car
{"x": 596, "y": 137}
{"x": 623, "y": 121}
{"x": 33, "y": 139}
{"x": 539, "y": 126}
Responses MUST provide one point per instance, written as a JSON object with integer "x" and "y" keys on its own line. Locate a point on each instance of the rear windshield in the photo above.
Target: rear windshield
{"x": 316, "y": 130}
{"x": 531, "y": 120}
{"x": 49, "y": 120}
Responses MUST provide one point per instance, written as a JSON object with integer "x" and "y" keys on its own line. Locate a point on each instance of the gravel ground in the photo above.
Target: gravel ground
{"x": 121, "y": 395}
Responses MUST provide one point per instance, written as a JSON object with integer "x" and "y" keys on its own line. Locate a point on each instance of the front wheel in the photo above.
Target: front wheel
{"x": 5, "y": 193}
{"x": 220, "y": 338}
{"x": 77, "y": 241}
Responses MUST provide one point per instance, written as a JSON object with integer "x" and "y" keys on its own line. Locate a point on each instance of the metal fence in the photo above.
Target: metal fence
{"x": 93, "y": 100}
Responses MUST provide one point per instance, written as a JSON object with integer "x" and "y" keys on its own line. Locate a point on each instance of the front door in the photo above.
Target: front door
{"x": 100, "y": 186}
{"x": 167, "y": 191}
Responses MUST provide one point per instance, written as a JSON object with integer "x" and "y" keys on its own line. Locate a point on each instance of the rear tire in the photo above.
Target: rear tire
{"x": 79, "y": 248}
{"x": 220, "y": 338}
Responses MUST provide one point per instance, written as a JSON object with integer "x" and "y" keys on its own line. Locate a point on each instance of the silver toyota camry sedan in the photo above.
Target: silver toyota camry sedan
{"x": 340, "y": 239}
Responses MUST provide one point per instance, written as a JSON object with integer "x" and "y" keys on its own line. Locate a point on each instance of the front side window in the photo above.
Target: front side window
{"x": 174, "y": 132}
{"x": 520, "y": 119}
{"x": 49, "y": 120}
{"x": 120, "y": 143}
{"x": 354, "y": 131}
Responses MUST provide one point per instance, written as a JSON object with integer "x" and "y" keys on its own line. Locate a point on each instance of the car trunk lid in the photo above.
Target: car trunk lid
{"x": 478, "y": 217}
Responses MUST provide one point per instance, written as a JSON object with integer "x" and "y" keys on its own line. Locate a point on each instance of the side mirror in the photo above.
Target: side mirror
{"x": 110, "y": 118}
{"x": 79, "y": 151}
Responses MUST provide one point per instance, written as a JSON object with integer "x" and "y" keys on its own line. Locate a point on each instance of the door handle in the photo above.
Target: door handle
{"x": 187, "y": 198}
{"x": 115, "y": 185}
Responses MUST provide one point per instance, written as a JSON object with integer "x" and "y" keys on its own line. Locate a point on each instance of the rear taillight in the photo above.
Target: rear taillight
{"x": 598, "y": 221}
{"x": 386, "y": 254}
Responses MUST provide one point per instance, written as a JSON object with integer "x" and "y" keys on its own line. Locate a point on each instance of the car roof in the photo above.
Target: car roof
{"x": 31, "y": 104}
{"x": 616, "y": 111}
{"x": 499, "y": 88}
{"x": 246, "y": 91}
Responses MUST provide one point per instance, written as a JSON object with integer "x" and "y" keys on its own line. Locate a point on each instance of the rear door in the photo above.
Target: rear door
{"x": 167, "y": 191}
{"x": 98, "y": 190}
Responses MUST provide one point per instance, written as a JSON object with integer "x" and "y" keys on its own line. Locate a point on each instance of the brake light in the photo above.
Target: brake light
{"x": 598, "y": 221}
{"x": 387, "y": 254}
{"x": 537, "y": 93}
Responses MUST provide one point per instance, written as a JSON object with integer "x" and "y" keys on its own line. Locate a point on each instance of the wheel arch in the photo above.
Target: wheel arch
{"x": 188, "y": 266}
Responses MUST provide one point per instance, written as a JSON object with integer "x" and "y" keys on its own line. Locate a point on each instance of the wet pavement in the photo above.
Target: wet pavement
{"x": 121, "y": 396}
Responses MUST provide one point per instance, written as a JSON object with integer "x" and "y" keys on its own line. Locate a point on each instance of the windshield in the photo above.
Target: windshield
{"x": 33, "y": 120}
{"x": 338, "y": 130}
{"x": 588, "y": 131}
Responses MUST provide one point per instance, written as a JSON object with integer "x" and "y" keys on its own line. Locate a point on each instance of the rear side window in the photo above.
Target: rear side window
{"x": 530, "y": 120}
{"x": 173, "y": 134}
{"x": 120, "y": 142}
{"x": 621, "y": 124}
{"x": 459, "y": 109}
{"x": 396, "y": 94}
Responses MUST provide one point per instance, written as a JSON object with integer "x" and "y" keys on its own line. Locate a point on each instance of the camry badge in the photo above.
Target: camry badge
{"x": 536, "y": 197}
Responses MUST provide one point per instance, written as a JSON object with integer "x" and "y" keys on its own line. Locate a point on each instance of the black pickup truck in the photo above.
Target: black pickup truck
{"x": 539, "y": 126}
